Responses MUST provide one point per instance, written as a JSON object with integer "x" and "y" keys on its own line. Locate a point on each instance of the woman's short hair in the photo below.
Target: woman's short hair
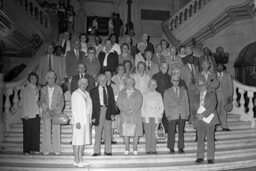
{"x": 32, "y": 74}
{"x": 82, "y": 80}
{"x": 86, "y": 37}
{"x": 129, "y": 79}
{"x": 127, "y": 61}
{"x": 164, "y": 40}
{"x": 100, "y": 40}
{"x": 141, "y": 63}
{"x": 125, "y": 44}
{"x": 182, "y": 46}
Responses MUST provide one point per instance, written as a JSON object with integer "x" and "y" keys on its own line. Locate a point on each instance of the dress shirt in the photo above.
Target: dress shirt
{"x": 220, "y": 75}
{"x": 105, "y": 62}
{"x": 76, "y": 53}
{"x": 206, "y": 74}
{"x": 129, "y": 92}
{"x": 177, "y": 91}
{"x": 202, "y": 97}
{"x": 81, "y": 75}
{"x": 101, "y": 95}
{"x": 148, "y": 65}
{"x": 50, "y": 93}
{"x": 192, "y": 68}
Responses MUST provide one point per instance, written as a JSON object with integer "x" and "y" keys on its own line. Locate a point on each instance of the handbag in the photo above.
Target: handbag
{"x": 160, "y": 131}
{"x": 128, "y": 129}
{"x": 60, "y": 119}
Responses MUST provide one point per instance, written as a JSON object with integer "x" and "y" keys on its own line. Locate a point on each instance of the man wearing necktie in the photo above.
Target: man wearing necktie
{"x": 50, "y": 62}
{"x": 151, "y": 67}
{"x": 74, "y": 57}
{"x": 176, "y": 106}
{"x": 224, "y": 93}
{"x": 81, "y": 74}
{"x": 103, "y": 102}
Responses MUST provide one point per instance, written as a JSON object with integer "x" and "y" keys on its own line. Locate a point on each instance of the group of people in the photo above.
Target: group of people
{"x": 130, "y": 88}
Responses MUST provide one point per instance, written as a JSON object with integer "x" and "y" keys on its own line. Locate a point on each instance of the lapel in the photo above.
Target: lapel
{"x": 54, "y": 94}
{"x": 97, "y": 95}
{"x": 174, "y": 95}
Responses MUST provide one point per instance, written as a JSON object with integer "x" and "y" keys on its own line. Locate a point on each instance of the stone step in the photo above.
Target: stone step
{"x": 189, "y": 128}
{"x": 161, "y": 147}
{"x": 122, "y": 159}
{"x": 16, "y": 137}
{"x": 221, "y": 163}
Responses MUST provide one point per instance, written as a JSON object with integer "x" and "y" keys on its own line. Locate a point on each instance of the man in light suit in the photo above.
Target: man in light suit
{"x": 151, "y": 67}
{"x": 224, "y": 93}
{"x": 189, "y": 72}
{"x": 49, "y": 62}
{"x": 177, "y": 111}
{"x": 52, "y": 102}
{"x": 74, "y": 57}
{"x": 206, "y": 98}
{"x": 103, "y": 102}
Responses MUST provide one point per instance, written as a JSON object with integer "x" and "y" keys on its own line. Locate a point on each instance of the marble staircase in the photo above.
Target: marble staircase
{"x": 234, "y": 149}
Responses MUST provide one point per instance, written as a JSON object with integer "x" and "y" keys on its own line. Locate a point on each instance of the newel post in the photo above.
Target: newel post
{"x": 2, "y": 122}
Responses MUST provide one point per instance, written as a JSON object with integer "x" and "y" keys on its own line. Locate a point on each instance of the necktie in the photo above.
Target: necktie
{"x": 192, "y": 70}
{"x": 65, "y": 46}
{"x": 149, "y": 65}
{"x": 177, "y": 91}
{"x": 50, "y": 62}
{"x": 105, "y": 99}
{"x": 81, "y": 75}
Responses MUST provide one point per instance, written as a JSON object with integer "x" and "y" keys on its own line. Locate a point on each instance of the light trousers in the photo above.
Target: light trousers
{"x": 51, "y": 137}
{"x": 106, "y": 126}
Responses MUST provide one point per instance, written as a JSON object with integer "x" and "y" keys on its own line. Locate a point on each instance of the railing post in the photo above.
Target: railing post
{"x": 242, "y": 101}
{"x": 2, "y": 122}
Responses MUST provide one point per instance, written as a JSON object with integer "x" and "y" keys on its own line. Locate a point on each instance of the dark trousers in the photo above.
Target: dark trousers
{"x": 171, "y": 133}
{"x": 203, "y": 129}
{"x": 31, "y": 134}
{"x": 165, "y": 123}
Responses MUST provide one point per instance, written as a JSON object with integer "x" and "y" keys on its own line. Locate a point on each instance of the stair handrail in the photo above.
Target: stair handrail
{"x": 244, "y": 102}
{"x": 36, "y": 11}
{"x": 186, "y": 12}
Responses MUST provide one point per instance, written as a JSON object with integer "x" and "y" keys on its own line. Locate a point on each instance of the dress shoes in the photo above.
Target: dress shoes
{"x": 113, "y": 142}
{"x": 148, "y": 153}
{"x": 154, "y": 152}
{"x": 210, "y": 161}
{"x": 199, "y": 161}
{"x": 96, "y": 154}
{"x": 80, "y": 165}
{"x": 108, "y": 154}
{"x": 181, "y": 151}
{"x": 226, "y": 129}
{"x": 172, "y": 151}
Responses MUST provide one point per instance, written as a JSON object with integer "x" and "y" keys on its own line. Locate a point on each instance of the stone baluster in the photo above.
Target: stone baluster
{"x": 7, "y": 104}
{"x": 242, "y": 100}
{"x": 186, "y": 14}
{"x": 250, "y": 105}
{"x": 31, "y": 8}
{"x": 235, "y": 104}
{"x": 15, "y": 99}
{"x": 2, "y": 122}
{"x": 195, "y": 7}
{"x": 181, "y": 18}
{"x": 190, "y": 10}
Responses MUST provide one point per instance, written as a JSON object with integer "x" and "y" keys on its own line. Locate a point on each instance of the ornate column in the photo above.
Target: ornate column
{"x": 2, "y": 123}
{"x": 129, "y": 24}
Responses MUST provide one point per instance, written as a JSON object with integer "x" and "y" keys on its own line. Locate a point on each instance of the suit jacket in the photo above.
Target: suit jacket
{"x": 94, "y": 93}
{"x": 225, "y": 88}
{"x": 163, "y": 82}
{"x": 212, "y": 80}
{"x": 176, "y": 106}
{"x": 154, "y": 68}
{"x": 210, "y": 103}
{"x": 112, "y": 61}
{"x": 186, "y": 75}
{"x": 72, "y": 62}
{"x": 74, "y": 82}
{"x": 43, "y": 67}
{"x": 57, "y": 100}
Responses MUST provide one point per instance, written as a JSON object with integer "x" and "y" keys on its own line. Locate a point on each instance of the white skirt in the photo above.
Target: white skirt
{"x": 82, "y": 136}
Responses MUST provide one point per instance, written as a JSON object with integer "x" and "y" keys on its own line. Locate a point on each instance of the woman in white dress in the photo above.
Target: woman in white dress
{"x": 81, "y": 105}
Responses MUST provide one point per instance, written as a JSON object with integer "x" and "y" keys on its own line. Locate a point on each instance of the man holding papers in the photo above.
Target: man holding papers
{"x": 207, "y": 118}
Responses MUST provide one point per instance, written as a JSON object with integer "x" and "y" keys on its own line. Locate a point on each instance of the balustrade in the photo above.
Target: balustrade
{"x": 244, "y": 102}
{"x": 36, "y": 11}
{"x": 186, "y": 12}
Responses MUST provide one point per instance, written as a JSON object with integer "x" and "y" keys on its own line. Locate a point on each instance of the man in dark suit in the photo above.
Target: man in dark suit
{"x": 82, "y": 74}
{"x": 108, "y": 58}
{"x": 103, "y": 110}
{"x": 207, "y": 100}
{"x": 74, "y": 57}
